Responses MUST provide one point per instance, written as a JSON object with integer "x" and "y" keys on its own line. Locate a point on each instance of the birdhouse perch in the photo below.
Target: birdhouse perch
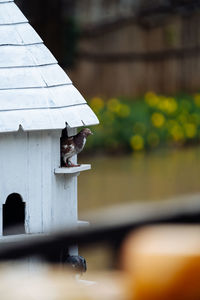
{"x": 37, "y": 100}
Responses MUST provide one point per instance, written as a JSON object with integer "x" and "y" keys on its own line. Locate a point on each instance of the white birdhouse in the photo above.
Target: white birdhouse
{"x": 37, "y": 100}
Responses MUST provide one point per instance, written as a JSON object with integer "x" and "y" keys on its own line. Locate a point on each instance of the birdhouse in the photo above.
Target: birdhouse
{"x": 37, "y": 101}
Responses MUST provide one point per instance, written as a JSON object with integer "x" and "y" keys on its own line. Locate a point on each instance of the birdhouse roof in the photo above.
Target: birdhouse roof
{"x": 35, "y": 92}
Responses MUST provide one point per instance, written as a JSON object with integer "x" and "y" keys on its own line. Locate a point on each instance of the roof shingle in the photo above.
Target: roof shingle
{"x": 35, "y": 92}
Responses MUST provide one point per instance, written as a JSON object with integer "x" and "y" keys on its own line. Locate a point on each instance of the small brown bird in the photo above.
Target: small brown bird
{"x": 73, "y": 145}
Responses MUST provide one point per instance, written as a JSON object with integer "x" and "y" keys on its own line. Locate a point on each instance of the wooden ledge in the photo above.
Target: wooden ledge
{"x": 72, "y": 170}
{"x": 21, "y": 237}
{"x": 83, "y": 223}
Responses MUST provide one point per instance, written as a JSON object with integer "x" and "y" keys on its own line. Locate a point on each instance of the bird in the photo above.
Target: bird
{"x": 76, "y": 262}
{"x": 73, "y": 145}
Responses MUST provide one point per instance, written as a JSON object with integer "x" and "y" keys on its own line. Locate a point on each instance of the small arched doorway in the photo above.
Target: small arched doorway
{"x": 13, "y": 215}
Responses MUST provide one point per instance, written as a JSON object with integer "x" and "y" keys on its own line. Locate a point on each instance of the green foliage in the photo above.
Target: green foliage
{"x": 145, "y": 124}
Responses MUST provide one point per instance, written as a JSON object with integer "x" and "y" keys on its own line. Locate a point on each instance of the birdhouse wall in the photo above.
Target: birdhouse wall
{"x": 27, "y": 163}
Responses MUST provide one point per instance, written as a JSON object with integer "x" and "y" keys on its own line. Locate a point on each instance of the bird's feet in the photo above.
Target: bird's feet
{"x": 69, "y": 164}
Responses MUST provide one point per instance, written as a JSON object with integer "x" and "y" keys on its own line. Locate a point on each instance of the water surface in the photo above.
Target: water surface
{"x": 141, "y": 177}
{"x": 135, "y": 178}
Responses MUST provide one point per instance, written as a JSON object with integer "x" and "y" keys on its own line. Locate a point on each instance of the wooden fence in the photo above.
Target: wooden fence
{"x": 130, "y": 58}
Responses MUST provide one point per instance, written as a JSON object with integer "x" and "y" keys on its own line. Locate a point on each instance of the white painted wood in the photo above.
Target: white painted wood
{"x": 41, "y": 54}
{"x": 64, "y": 205}
{"x": 18, "y": 34}
{"x": 64, "y": 192}
{"x": 35, "y": 181}
{"x": 10, "y": 13}
{"x": 50, "y": 200}
{"x": 25, "y": 56}
{"x": 35, "y": 98}
{"x": 53, "y": 75}
{"x": 66, "y": 95}
{"x": 46, "y": 191}
{"x": 71, "y": 116}
{"x": 83, "y": 223}
{"x": 71, "y": 131}
{"x": 35, "y": 93}
{"x": 80, "y": 115}
{"x": 16, "y": 78}
{"x": 19, "y": 237}
{"x": 86, "y": 115}
{"x": 72, "y": 170}
{"x": 27, "y": 33}
{"x": 13, "y": 78}
{"x": 4, "y": 1}
{"x": 40, "y": 119}
{"x": 13, "y": 166}
{"x": 43, "y": 119}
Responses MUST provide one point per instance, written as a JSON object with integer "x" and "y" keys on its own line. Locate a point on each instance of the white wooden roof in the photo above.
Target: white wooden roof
{"x": 34, "y": 91}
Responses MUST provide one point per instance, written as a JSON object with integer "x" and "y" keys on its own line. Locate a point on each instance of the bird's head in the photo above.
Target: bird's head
{"x": 86, "y": 132}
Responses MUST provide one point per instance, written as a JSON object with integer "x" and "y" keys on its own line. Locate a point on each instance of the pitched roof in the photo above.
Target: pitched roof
{"x": 34, "y": 90}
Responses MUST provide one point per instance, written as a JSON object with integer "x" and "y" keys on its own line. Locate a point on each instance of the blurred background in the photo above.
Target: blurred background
{"x": 137, "y": 63}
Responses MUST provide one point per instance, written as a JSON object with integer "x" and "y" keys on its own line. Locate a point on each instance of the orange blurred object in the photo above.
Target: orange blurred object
{"x": 163, "y": 262}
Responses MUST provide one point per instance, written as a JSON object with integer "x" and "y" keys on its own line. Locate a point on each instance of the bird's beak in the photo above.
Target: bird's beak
{"x": 91, "y": 133}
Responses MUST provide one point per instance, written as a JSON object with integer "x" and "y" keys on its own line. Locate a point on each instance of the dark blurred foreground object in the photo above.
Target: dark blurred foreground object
{"x": 109, "y": 226}
{"x": 159, "y": 263}
{"x": 163, "y": 262}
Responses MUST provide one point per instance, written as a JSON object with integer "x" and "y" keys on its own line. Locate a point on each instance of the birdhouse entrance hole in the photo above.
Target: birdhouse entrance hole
{"x": 13, "y": 215}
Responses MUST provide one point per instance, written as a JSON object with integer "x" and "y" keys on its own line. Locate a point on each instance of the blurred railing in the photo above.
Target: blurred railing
{"x": 110, "y": 226}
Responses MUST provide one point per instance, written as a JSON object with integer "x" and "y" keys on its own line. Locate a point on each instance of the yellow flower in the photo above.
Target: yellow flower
{"x": 197, "y": 99}
{"x": 96, "y": 104}
{"x": 151, "y": 98}
{"x": 153, "y": 139}
{"x": 157, "y": 119}
{"x": 190, "y": 130}
{"x": 114, "y": 105}
{"x": 172, "y": 105}
{"x": 137, "y": 142}
{"x": 163, "y": 104}
{"x": 177, "y": 133}
{"x": 168, "y": 105}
